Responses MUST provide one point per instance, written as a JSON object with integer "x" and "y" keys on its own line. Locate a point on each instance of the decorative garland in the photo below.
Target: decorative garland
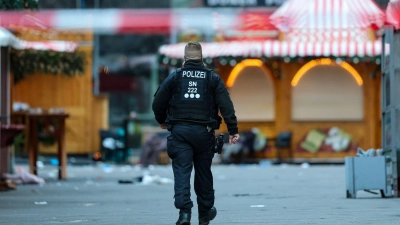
{"x": 232, "y": 61}
{"x": 27, "y": 62}
{"x": 18, "y": 4}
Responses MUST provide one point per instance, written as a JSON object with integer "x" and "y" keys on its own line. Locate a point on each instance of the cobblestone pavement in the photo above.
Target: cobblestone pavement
{"x": 245, "y": 194}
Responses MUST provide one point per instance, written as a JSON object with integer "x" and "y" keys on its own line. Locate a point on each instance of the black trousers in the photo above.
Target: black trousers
{"x": 191, "y": 145}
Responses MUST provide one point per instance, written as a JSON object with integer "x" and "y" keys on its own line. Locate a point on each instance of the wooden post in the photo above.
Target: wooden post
{"x": 33, "y": 147}
{"x": 62, "y": 154}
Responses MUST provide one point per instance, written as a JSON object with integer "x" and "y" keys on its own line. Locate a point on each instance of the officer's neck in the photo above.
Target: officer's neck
{"x": 193, "y": 63}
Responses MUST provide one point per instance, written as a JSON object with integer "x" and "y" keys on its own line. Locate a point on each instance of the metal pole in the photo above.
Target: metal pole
{"x": 96, "y": 56}
{"x": 8, "y": 105}
{"x": 153, "y": 80}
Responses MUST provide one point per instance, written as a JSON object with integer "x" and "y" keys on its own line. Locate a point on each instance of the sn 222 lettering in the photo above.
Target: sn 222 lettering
{"x": 192, "y": 87}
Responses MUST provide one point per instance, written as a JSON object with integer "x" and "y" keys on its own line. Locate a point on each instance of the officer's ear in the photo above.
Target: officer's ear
{"x": 184, "y": 61}
{"x": 204, "y": 64}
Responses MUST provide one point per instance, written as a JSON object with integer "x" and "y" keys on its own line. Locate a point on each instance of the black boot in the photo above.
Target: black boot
{"x": 204, "y": 219}
{"x": 184, "y": 218}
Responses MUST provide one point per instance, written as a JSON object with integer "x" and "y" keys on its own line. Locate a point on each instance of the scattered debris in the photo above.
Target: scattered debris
{"x": 125, "y": 181}
{"x": 370, "y": 152}
{"x": 40, "y": 164}
{"x": 147, "y": 179}
{"x": 305, "y": 165}
{"x": 23, "y": 177}
{"x": 243, "y": 195}
{"x": 265, "y": 163}
{"x": 54, "y": 162}
{"x": 107, "y": 168}
{"x": 257, "y": 206}
{"x": 40, "y": 203}
{"x": 88, "y": 204}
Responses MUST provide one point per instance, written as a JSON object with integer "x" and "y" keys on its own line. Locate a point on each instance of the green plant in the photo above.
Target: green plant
{"x": 48, "y": 130}
{"x": 27, "y": 62}
{"x": 19, "y": 143}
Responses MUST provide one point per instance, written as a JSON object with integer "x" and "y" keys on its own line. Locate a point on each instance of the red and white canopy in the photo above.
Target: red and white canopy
{"x": 274, "y": 48}
{"x": 57, "y": 46}
{"x": 8, "y": 39}
{"x": 327, "y": 14}
{"x": 315, "y": 28}
{"x": 328, "y": 20}
{"x": 393, "y": 13}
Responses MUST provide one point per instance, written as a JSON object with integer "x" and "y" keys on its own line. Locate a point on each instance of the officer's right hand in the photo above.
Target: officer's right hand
{"x": 233, "y": 138}
{"x": 163, "y": 126}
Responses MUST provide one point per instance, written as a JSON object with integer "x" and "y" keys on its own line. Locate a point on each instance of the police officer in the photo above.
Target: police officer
{"x": 187, "y": 104}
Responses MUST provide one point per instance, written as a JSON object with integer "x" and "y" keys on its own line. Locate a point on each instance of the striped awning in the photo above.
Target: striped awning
{"x": 327, "y": 14}
{"x": 270, "y": 48}
{"x": 57, "y": 46}
{"x": 9, "y": 40}
{"x": 339, "y": 20}
{"x": 393, "y": 13}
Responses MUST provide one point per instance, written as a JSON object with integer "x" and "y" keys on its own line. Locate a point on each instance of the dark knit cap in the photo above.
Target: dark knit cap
{"x": 193, "y": 51}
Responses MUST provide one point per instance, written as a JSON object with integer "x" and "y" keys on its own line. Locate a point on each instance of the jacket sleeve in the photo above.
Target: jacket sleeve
{"x": 225, "y": 106}
{"x": 162, "y": 98}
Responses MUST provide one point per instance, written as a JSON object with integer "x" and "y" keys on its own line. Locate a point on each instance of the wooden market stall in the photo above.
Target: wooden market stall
{"x": 318, "y": 79}
{"x": 26, "y": 122}
{"x": 72, "y": 94}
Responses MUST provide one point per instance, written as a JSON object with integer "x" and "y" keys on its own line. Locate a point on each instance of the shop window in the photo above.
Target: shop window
{"x": 253, "y": 95}
{"x": 328, "y": 93}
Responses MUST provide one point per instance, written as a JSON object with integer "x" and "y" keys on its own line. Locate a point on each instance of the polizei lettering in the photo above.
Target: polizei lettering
{"x": 194, "y": 74}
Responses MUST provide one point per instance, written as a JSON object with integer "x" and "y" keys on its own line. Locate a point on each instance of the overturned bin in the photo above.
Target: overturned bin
{"x": 368, "y": 173}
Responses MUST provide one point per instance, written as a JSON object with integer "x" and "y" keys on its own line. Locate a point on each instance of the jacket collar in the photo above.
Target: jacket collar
{"x": 193, "y": 63}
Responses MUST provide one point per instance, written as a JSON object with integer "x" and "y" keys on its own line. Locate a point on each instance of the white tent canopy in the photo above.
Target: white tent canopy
{"x": 8, "y": 39}
{"x": 314, "y": 28}
{"x": 328, "y": 20}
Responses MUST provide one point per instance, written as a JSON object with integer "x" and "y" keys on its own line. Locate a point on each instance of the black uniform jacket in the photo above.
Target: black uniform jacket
{"x": 222, "y": 98}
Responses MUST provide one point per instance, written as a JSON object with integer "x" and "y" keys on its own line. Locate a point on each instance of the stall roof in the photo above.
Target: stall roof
{"x": 327, "y": 14}
{"x": 274, "y": 48}
{"x": 393, "y": 13}
{"x": 8, "y": 39}
{"x": 314, "y": 28}
{"x": 328, "y": 20}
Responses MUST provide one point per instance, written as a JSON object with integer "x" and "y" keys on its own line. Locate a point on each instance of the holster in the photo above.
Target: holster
{"x": 169, "y": 126}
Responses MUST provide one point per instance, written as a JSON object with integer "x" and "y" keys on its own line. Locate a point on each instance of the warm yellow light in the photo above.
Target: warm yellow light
{"x": 239, "y": 67}
{"x": 325, "y": 61}
{"x": 352, "y": 71}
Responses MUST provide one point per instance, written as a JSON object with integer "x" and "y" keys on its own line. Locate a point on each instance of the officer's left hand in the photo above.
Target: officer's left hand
{"x": 163, "y": 126}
